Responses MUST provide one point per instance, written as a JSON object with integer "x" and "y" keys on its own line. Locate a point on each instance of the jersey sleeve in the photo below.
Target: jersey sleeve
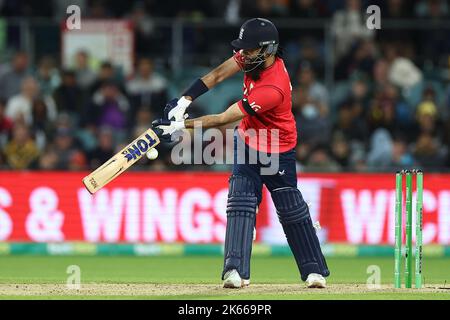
{"x": 260, "y": 100}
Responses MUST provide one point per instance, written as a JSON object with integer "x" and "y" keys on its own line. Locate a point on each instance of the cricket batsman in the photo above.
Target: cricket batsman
{"x": 266, "y": 107}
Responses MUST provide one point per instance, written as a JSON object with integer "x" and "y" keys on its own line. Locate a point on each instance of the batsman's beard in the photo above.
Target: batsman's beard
{"x": 255, "y": 74}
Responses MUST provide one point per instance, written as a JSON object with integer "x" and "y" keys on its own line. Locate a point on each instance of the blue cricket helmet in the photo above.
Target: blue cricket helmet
{"x": 257, "y": 33}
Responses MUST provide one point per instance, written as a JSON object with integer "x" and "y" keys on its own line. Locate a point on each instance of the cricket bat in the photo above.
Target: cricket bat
{"x": 121, "y": 161}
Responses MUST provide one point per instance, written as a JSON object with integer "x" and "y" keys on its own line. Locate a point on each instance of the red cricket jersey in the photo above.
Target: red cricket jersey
{"x": 267, "y": 104}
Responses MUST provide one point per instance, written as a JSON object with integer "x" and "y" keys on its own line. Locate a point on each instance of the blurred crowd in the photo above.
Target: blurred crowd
{"x": 230, "y": 9}
{"x": 388, "y": 106}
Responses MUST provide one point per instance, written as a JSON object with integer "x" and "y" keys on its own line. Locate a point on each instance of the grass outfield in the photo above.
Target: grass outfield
{"x": 44, "y": 277}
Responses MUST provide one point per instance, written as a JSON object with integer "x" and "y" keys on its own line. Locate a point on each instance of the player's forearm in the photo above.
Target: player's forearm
{"x": 232, "y": 114}
{"x": 211, "y": 79}
{"x": 222, "y": 72}
{"x": 209, "y": 121}
{"x": 201, "y": 86}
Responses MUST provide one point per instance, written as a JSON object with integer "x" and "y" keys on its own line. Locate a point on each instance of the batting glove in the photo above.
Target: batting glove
{"x": 175, "y": 109}
{"x": 165, "y": 128}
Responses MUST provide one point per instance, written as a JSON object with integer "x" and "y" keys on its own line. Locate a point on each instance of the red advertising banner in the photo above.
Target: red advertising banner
{"x": 190, "y": 207}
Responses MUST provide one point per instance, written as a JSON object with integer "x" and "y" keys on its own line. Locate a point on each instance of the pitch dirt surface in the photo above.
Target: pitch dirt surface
{"x": 211, "y": 291}
{"x": 179, "y": 278}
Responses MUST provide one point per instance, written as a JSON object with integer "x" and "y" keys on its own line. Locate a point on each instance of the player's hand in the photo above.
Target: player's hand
{"x": 165, "y": 128}
{"x": 175, "y": 109}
